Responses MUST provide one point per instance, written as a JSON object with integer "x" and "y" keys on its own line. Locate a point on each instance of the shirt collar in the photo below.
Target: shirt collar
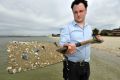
{"x": 74, "y": 24}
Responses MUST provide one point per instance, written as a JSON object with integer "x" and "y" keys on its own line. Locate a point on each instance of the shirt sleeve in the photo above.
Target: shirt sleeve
{"x": 64, "y": 36}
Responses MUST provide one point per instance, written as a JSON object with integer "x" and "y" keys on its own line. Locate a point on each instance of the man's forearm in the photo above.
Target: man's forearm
{"x": 94, "y": 40}
{"x": 84, "y": 42}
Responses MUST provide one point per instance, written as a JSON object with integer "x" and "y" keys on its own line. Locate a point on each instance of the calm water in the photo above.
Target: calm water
{"x": 38, "y": 38}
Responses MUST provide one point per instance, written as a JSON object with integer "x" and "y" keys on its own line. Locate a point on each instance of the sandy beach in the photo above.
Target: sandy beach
{"x": 110, "y": 44}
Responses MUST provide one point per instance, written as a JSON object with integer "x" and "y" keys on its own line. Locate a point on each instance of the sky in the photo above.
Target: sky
{"x": 44, "y": 17}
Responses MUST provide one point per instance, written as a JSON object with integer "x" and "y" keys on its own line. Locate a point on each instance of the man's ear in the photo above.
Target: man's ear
{"x": 86, "y": 11}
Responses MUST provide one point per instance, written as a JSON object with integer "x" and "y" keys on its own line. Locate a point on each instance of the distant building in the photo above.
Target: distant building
{"x": 114, "y": 32}
{"x": 106, "y": 32}
{"x": 55, "y": 35}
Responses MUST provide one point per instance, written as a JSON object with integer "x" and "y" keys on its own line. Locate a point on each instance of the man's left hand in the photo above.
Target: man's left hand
{"x": 99, "y": 38}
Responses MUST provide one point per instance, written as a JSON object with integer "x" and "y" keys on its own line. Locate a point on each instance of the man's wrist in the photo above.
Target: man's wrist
{"x": 78, "y": 44}
{"x": 95, "y": 40}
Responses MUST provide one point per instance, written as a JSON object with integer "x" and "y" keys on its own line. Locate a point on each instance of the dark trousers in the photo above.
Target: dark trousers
{"x": 76, "y": 71}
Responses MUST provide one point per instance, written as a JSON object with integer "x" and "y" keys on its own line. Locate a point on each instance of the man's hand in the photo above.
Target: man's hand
{"x": 97, "y": 39}
{"x": 71, "y": 48}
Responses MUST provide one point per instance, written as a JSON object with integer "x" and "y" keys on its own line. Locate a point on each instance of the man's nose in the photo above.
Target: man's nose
{"x": 78, "y": 14}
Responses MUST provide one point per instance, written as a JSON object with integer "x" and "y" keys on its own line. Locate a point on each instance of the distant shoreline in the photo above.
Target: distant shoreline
{"x": 23, "y": 36}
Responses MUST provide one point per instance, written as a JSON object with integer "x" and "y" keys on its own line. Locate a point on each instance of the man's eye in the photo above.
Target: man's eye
{"x": 75, "y": 12}
{"x": 81, "y": 11}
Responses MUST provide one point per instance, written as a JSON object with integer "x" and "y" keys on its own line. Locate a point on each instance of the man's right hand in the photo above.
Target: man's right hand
{"x": 71, "y": 48}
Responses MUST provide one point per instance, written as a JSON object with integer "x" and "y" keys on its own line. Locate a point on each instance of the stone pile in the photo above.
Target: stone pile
{"x": 24, "y": 56}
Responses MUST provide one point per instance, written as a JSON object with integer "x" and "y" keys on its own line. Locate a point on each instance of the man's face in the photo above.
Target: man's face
{"x": 79, "y": 12}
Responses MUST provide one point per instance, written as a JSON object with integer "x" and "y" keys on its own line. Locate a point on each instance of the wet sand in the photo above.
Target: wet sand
{"x": 104, "y": 66}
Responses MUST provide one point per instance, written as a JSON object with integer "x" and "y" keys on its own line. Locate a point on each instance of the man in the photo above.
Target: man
{"x": 76, "y": 64}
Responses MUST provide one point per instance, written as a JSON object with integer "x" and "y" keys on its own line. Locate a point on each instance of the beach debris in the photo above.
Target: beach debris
{"x": 11, "y": 70}
{"x": 43, "y": 47}
{"x": 56, "y": 44}
{"x": 25, "y": 56}
{"x": 36, "y": 50}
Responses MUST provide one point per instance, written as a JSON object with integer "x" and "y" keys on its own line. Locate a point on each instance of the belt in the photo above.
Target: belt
{"x": 81, "y": 63}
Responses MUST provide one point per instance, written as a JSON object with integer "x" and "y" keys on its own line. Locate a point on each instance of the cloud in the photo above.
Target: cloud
{"x": 104, "y": 12}
{"x": 33, "y": 15}
{"x": 41, "y": 17}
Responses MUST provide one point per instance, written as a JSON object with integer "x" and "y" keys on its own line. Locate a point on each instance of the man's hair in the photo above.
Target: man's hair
{"x": 76, "y": 2}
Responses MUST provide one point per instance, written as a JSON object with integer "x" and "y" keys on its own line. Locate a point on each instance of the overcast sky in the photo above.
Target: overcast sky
{"x": 43, "y": 17}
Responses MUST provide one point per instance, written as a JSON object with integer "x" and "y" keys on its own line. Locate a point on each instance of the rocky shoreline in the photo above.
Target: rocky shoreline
{"x": 24, "y": 56}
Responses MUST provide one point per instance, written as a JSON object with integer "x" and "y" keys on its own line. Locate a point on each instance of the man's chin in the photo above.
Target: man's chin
{"x": 79, "y": 21}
